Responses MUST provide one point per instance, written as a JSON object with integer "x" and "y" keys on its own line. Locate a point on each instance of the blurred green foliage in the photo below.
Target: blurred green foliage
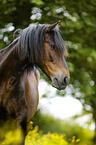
{"x": 9, "y": 134}
{"x": 78, "y": 28}
{"x": 50, "y": 131}
{"x": 68, "y": 128}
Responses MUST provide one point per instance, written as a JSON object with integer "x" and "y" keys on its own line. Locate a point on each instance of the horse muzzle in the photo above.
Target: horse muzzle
{"x": 60, "y": 82}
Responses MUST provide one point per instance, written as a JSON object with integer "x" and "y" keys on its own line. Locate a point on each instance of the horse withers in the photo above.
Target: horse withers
{"x": 39, "y": 45}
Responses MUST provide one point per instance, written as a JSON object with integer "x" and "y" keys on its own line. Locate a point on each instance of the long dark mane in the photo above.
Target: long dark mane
{"x": 4, "y": 51}
{"x": 31, "y": 41}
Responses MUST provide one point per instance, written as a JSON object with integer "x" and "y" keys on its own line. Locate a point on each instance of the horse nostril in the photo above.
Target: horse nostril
{"x": 56, "y": 82}
{"x": 66, "y": 80}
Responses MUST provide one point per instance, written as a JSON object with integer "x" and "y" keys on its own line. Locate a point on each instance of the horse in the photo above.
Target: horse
{"x": 38, "y": 46}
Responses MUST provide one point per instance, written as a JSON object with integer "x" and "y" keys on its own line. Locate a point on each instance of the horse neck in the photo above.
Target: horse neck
{"x": 12, "y": 65}
{"x": 4, "y": 51}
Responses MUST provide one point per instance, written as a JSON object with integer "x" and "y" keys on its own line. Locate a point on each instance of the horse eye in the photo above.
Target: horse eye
{"x": 51, "y": 57}
{"x": 53, "y": 46}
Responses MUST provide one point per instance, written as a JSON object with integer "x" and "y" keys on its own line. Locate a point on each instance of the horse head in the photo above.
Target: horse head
{"x": 53, "y": 63}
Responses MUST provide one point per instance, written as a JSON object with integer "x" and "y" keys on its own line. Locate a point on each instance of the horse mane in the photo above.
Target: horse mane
{"x": 5, "y": 50}
{"x": 31, "y": 42}
{"x": 59, "y": 42}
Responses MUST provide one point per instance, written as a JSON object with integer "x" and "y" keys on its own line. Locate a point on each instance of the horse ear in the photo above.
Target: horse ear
{"x": 52, "y": 26}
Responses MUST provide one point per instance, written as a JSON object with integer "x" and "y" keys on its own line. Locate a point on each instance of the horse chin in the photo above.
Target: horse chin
{"x": 57, "y": 86}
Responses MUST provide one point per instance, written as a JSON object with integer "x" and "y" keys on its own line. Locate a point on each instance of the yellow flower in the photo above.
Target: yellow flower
{"x": 77, "y": 140}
